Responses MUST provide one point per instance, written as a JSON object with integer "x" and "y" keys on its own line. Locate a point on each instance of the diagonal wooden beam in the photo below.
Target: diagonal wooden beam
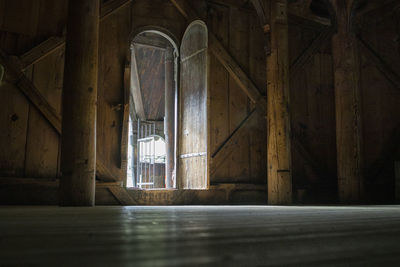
{"x": 111, "y": 7}
{"x": 237, "y": 73}
{"x": 230, "y": 144}
{"x": 311, "y": 50}
{"x": 41, "y": 51}
{"x": 226, "y": 59}
{"x": 121, "y": 195}
{"x": 381, "y": 64}
{"x": 301, "y": 10}
{"x": 30, "y": 91}
{"x": 319, "y": 169}
{"x": 260, "y": 12}
{"x": 373, "y": 7}
{"x": 185, "y": 9}
{"x": 26, "y": 86}
{"x": 135, "y": 87}
{"x": 55, "y": 42}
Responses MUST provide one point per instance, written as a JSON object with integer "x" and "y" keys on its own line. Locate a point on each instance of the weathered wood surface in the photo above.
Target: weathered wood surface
{"x": 169, "y": 117}
{"x": 279, "y": 152}
{"x": 238, "y": 62}
{"x": 311, "y": 50}
{"x": 167, "y": 236}
{"x": 383, "y": 67}
{"x": 43, "y": 64}
{"x": 193, "y": 109}
{"x": 78, "y": 143}
{"x": 380, "y": 98}
{"x": 136, "y": 89}
{"x": 41, "y": 51}
{"x": 397, "y": 180}
{"x": 348, "y": 107}
{"x": 28, "y": 191}
{"x": 151, "y": 74}
{"x": 125, "y": 123}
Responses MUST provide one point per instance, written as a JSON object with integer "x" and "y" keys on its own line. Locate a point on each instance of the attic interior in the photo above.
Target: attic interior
{"x": 203, "y": 132}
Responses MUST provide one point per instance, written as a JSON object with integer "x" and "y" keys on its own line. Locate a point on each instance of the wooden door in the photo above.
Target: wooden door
{"x": 193, "y": 124}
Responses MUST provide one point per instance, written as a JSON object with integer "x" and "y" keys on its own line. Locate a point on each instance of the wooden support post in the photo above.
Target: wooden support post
{"x": 397, "y": 181}
{"x": 78, "y": 150}
{"x": 169, "y": 120}
{"x": 279, "y": 143}
{"x": 348, "y": 106}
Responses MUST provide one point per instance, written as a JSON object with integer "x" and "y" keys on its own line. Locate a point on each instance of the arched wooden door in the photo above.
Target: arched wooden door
{"x": 193, "y": 94}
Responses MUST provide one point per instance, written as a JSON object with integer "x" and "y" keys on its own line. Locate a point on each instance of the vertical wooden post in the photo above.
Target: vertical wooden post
{"x": 348, "y": 106}
{"x": 169, "y": 121}
{"x": 279, "y": 141}
{"x": 397, "y": 180}
{"x": 78, "y": 151}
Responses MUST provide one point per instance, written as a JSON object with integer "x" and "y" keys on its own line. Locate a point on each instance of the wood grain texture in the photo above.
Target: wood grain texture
{"x": 348, "y": 109}
{"x": 78, "y": 147}
{"x": 279, "y": 130}
{"x": 193, "y": 105}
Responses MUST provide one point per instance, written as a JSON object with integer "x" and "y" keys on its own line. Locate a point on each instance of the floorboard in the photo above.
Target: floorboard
{"x": 200, "y": 235}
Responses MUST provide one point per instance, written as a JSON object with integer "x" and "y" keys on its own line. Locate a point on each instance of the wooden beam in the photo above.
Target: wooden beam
{"x": 36, "y": 98}
{"x": 318, "y": 168}
{"x": 306, "y": 23}
{"x": 397, "y": 180}
{"x": 373, "y": 7}
{"x": 55, "y": 42}
{"x": 125, "y": 123}
{"x": 237, "y": 73}
{"x": 301, "y": 9}
{"x": 226, "y": 59}
{"x": 121, "y": 195}
{"x": 233, "y": 3}
{"x": 381, "y": 65}
{"x": 79, "y": 102}
{"x": 135, "y": 89}
{"x": 169, "y": 116}
{"x": 185, "y": 9}
{"x": 262, "y": 16}
{"x": 30, "y": 91}
{"x": 41, "y": 51}
{"x": 112, "y": 6}
{"x": 348, "y": 107}
{"x": 103, "y": 173}
{"x": 279, "y": 159}
{"x": 311, "y": 50}
{"x": 230, "y": 144}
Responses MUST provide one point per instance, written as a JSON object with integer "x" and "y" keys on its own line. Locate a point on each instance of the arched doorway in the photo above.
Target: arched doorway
{"x": 162, "y": 113}
{"x": 153, "y": 112}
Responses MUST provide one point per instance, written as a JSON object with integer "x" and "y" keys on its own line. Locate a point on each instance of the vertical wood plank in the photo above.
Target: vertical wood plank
{"x": 238, "y": 100}
{"x": 218, "y": 23}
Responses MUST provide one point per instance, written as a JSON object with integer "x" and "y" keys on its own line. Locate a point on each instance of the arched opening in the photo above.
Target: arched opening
{"x": 153, "y": 110}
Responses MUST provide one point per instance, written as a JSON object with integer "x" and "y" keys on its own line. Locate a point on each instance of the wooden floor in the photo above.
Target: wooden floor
{"x": 192, "y": 236}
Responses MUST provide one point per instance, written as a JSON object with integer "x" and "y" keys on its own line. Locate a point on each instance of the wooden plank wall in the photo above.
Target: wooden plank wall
{"x": 313, "y": 115}
{"x": 113, "y": 54}
{"x": 240, "y": 33}
{"x": 29, "y": 145}
{"x": 381, "y": 100}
